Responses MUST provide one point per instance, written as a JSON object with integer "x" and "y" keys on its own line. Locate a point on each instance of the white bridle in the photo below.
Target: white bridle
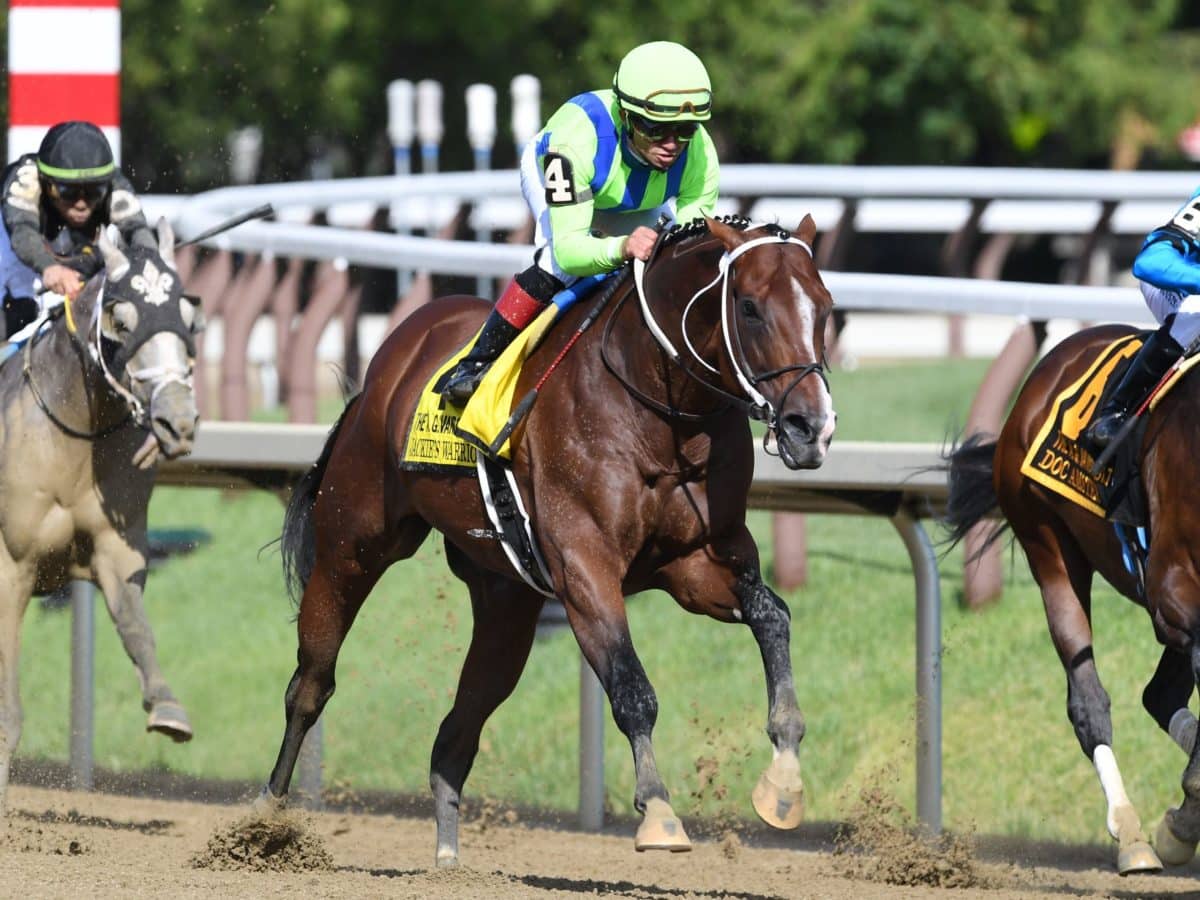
{"x": 724, "y": 266}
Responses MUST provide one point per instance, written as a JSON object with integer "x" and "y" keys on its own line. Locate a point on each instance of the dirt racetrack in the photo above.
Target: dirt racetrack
{"x": 61, "y": 844}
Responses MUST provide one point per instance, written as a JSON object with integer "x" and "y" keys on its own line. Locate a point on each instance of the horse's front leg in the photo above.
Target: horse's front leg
{"x": 120, "y": 571}
{"x": 19, "y": 587}
{"x": 702, "y": 584}
{"x": 596, "y": 611}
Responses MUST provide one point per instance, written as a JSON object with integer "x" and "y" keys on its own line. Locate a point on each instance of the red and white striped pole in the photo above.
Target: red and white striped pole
{"x": 48, "y": 84}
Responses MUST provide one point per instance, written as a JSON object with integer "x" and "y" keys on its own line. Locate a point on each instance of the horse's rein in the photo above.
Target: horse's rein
{"x": 758, "y": 406}
{"x": 135, "y": 409}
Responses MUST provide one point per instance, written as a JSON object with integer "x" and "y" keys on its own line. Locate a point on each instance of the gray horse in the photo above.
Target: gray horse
{"x": 86, "y": 408}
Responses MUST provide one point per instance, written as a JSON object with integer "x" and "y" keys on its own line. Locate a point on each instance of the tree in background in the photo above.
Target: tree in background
{"x": 933, "y": 82}
{"x": 1041, "y": 82}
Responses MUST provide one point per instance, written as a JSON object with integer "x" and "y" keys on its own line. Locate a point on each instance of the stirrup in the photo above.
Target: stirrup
{"x": 463, "y": 383}
{"x": 1106, "y": 427}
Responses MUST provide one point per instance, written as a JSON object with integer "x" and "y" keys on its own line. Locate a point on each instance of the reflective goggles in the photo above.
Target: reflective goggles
{"x": 659, "y": 131}
{"x": 71, "y": 192}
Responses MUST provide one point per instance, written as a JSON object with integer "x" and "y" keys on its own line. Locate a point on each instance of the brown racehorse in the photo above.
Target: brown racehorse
{"x": 1066, "y": 544}
{"x": 634, "y": 465}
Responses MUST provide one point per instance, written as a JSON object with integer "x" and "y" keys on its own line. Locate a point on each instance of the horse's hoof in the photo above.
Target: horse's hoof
{"x": 169, "y": 718}
{"x": 267, "y": 804}
{"x": 1171, "y": 849}
{"x": 447, "y": 858}
{"x": 779, "y": 795}
{"x": 1137, "y": 857}
{"x": 661, "y": 829}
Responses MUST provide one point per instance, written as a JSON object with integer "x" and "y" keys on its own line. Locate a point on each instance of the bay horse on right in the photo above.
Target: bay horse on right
{"x": 1066, "y": 545}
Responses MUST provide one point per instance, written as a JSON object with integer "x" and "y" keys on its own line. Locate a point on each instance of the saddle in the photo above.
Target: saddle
{"x": 1060, "y": 462}
{"x": 1059, "y": 459}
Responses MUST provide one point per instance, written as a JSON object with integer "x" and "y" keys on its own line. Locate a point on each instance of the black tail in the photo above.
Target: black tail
{"x": 297, "y": 546}
{"x": 972, "y": 495}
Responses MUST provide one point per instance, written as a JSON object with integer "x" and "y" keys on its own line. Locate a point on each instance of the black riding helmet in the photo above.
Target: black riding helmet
{"x": 75, "y": 158}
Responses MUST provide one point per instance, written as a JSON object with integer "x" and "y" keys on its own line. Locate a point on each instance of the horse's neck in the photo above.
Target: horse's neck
{"x": 649, "y": 365}
{"x": 70, "y": 382}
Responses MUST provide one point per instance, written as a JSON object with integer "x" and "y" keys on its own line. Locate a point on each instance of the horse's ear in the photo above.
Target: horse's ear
{"x": 807, "y": 229}
{"x": 728, "y": 235}
{"x": 166, "y": 242}
{"x": 116, "y": 262}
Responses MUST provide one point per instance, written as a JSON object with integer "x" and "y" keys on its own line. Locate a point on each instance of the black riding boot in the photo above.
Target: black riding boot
{"x": 1155, "y": 356}
{"x": 497, "y": 334}
{"x": 18, "y": 312}
{"x": 523, "y": 299}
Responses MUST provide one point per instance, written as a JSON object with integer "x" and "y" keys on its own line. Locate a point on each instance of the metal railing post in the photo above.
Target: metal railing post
{"x": 591, "y": 749}
{"x": 929, "y": 669}
{"x": 83, "y": 655}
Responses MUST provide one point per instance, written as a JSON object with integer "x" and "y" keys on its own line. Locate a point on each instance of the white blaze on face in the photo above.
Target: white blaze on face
{"x": 163, "y": 358}
{"x": 808, "y": 344}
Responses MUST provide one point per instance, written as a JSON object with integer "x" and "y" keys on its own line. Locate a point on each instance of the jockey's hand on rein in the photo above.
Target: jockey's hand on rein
{"x": 62, "y": 279}
{"x": 639, "y": 244}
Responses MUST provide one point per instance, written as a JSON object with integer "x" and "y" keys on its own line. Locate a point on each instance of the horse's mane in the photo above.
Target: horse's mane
{"x": 699, "y": 228}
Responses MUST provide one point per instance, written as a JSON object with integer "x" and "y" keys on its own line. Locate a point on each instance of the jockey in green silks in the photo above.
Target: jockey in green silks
{"x": 606, "y": 165}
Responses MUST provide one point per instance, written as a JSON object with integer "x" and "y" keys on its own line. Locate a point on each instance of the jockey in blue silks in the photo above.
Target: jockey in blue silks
{"x": 1168, "y": 268}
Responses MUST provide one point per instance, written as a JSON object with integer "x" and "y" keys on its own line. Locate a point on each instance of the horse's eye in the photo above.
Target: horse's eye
{"x": 750, "y": 311}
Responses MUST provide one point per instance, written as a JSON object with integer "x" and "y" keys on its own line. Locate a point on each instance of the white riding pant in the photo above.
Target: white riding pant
{"x": 605, "y": 223}
{"x": 1185, "y": 308}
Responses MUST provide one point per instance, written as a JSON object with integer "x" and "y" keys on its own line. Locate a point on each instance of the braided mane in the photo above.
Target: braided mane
{"x": 681, "y": 232}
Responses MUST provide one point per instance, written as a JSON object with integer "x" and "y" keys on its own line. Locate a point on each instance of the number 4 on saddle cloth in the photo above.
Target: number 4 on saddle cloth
{"x": 445, "y": 437}
{"x": 1061, "y": 461}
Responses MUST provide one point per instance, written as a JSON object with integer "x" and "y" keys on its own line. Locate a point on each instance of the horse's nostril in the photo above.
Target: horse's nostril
{"x": 799, "y": 426}
{"x": 164, "y": 426}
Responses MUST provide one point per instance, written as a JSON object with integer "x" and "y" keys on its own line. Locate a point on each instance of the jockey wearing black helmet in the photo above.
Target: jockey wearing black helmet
{"x": 54, "y": 203}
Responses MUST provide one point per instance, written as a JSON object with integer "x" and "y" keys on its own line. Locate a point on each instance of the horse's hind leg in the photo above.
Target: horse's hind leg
{"x": 505, "y": 620}
{"x": 335, "y": 593}
{"x": 1167, "y": 695}
{"x": 121, "y": 573}
{"x": 1179, "y": 831}
{"x": 1064, "y": 576}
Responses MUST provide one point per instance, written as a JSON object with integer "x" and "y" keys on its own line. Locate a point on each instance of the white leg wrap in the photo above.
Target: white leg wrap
{"x": 1113, "y": 784}
{"x": 1183, "y": 729}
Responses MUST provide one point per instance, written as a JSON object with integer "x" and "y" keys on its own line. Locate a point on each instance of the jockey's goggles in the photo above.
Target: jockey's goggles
{"x": 71, "y": 192}
{"x": 695, "y": 102}
{"x": 658, "y": 131}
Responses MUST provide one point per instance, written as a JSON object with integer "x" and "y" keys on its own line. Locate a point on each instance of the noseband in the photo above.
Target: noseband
{"x": 93, "y": 341}
{"x": 758, "y": 407}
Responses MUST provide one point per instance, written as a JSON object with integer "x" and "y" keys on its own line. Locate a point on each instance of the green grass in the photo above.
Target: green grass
{"x": 1011, "y": 762}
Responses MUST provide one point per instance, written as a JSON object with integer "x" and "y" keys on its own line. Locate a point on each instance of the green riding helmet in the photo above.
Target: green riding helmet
{"x": 76, "y": 152}
{"x": 665, "y": 82}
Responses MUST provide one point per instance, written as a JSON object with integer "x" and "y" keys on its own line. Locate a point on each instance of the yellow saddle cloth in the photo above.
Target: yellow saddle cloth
{"x": 1056, "y": 458}
{"x": 447, "y": 437}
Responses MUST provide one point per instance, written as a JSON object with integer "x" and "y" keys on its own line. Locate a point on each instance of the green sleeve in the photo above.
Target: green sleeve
{"x": 700, "y": 182}
{"x": 575, "y": 250}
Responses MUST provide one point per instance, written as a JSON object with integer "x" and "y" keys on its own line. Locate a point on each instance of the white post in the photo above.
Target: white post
{"x": 526, "y": 110}
{"x": 429, "y": 122}
{"x": 400, "y": 133}
{"x": 481, "y": 132}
